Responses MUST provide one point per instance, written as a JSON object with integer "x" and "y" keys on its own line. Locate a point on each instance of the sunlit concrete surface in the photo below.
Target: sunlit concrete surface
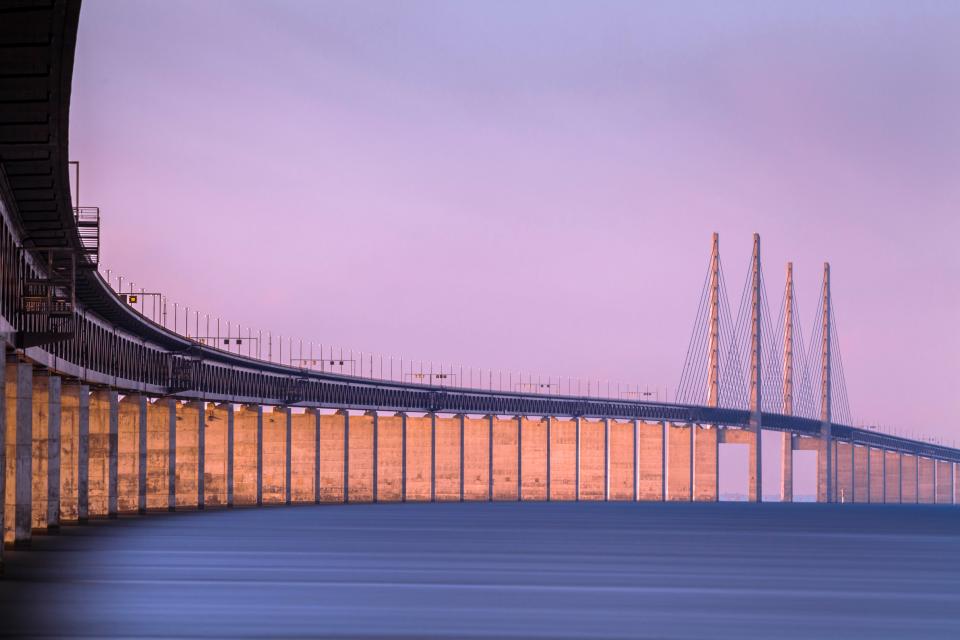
{"x": 497, "y": 570}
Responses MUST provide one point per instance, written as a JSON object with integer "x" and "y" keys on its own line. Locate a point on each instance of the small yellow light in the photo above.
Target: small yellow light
{"x": 132, "y": 299}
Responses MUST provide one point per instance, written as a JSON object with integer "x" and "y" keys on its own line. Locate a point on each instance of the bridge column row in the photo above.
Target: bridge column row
{"x": 72, "y": 453}
{"x": 864, "y": 474}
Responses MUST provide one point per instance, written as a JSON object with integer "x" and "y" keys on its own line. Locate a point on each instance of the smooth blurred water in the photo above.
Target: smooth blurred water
{"x": 500, "y": 570}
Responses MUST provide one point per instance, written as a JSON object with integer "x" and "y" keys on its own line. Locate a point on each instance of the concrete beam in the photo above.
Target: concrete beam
{"x": 534, "y": 468}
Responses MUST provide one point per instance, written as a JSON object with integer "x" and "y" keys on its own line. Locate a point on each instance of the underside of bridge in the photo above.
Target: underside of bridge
{"x": 105, "y": 412}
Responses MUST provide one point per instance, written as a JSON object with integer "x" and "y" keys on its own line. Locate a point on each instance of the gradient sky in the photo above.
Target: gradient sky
{"x": 533, "y": 185}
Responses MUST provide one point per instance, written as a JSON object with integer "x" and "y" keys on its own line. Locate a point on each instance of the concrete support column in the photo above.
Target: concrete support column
{"x": 636, "y": 460}
{"x": 679, "y": 462}
{"x": 869, "y": 477}
{"x": 755, "y": 486}
{"x": 825, "y": 486}
{"x": 519, "y": 420}
{"x": 944, "y": 479}
{"x": 53, "y": 455}
{"x": 141, "y": 402}
{"x": 376, "y": 456}
{"x": 131, "y": 456}
{"x": 549, "y": 420}
{"x": 692, "y": 462}
{"x": 926, "y": 480}
{"x": 346, "y": 454}
{"x": 113, "y": 416}
{"x": 18, "y": 487}
{"x": 316, "y": 458}
{"x": 403, "y": 457}
{"x": 461, "y": 419}
{"x": 877, "y": 475}
{"x": 706, "y": 463}
{"x": 259, "y": 410}
{"x": 228, "y": 408}
{"x": 189, "y": 454}
{"x": 104, "y": 449}
{"x": 288, "y": 455}
{"x": 606, "y": 459}
{"x": 433, "y": 457}
{"x": 41, "y": 448}
{"x": 861, "y": 474}
{"x": 217, "y": 439}
{"x": 891, "y": 470}
{"x": 953, "y": 482}
{"x": 201, "y": 453}
{"x": 786, "y": 467}
{"x": 577, "y": 474}
{"x": 900, "y": 477}
{"x": 171, "y": 452}
{"x": 3, "y": 461}
{"x": 663, "y": 461}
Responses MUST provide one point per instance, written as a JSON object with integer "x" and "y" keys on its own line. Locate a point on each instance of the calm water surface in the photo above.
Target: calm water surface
{"x": 502, "y": 570}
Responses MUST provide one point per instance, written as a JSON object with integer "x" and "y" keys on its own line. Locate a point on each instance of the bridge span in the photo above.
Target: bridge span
{"x": 106, "y": 412}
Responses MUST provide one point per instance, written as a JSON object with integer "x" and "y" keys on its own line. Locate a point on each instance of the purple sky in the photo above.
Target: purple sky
{"x": 533, "y": 185}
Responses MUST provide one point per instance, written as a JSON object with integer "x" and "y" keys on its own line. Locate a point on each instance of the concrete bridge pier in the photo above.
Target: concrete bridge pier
{"x": 706, "y": 463}
{"x": 679, "y": 471}
{"x": 217, "y": 454}
{"x": 926, "y": 480}
{"x": 877, "y": 473}
{"x": 18, "y": 454}
{"x": 188, "y": 445}
{"x": 786, "y": 466}
{"x": 46, "y": 451}
{"x": 103, "y": 453}
{"x": 130, "y": 489}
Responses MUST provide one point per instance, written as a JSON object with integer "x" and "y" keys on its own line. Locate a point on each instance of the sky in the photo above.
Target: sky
{"x": 533, "y": 186}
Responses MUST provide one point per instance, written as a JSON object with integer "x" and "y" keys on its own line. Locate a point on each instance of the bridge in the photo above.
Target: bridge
{"x": 108, "y": 411}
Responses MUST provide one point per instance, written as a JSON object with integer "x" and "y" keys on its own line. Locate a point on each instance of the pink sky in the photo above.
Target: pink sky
{"x": 534, "y": 186}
